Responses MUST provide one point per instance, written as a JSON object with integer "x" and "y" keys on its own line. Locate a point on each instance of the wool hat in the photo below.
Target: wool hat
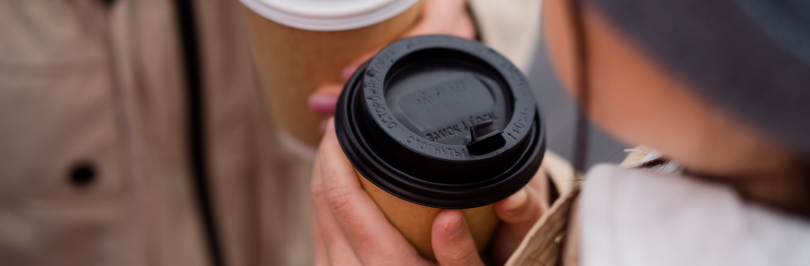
{"x": 750, "y": 57}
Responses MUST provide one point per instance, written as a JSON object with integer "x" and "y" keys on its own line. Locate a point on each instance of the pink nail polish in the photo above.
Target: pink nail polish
{"x": 347, "y": 72}
{"x": 324, "y": 104}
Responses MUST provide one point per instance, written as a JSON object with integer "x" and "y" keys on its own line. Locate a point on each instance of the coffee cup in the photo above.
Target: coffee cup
{"x": 299, "y": 45}
{"x": 439, "y": 122}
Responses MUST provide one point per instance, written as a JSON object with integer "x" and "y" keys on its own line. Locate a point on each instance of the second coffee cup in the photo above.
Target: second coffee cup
{"x": 300, "y": 45}
{"x": 439, "y": 122}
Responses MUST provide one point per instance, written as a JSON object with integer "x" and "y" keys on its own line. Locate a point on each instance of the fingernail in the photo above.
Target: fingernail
{"x": 515, "y": 202}
{"x": 324, "y": 104}
{"x": 454, "y": 228}
{"x": 330, "y": 125}
{"x": 347, "y": 72}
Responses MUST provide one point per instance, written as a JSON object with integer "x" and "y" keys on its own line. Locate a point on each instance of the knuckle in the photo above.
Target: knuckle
{"x": 339, "y": 199}
{"x": 463, "y": 254}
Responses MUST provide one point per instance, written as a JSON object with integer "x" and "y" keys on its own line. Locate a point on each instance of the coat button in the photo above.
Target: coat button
{"x": 82, "y": 174}
{"x": 108, "y": 3}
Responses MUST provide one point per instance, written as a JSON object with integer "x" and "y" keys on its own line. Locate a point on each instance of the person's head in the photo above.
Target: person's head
{"x": 661, "y": 82}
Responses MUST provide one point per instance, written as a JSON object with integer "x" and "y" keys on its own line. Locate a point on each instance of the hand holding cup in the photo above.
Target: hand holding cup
{"x": 349, "y": 228}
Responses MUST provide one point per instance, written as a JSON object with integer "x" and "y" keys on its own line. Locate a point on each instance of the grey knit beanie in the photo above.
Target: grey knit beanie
{"x": 751, "y": 57}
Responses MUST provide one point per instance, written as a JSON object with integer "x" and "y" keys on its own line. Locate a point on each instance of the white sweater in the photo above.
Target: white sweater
{"x": 640, "y": 218}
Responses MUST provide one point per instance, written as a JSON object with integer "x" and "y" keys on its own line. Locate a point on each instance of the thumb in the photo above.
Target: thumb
{"x": 452, "y": 242}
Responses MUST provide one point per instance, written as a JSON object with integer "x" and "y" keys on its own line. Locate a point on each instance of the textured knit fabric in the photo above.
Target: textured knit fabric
{"x": 639, "y": 217}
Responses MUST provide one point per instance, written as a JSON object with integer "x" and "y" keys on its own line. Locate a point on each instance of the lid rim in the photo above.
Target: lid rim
{"x": 329, "y": 22}
{"x": 375, "y": 173}
{"x": 374, "y": 168}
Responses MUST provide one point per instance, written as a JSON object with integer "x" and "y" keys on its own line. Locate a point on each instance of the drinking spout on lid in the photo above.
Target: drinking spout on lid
{"x": 485, "y": 138}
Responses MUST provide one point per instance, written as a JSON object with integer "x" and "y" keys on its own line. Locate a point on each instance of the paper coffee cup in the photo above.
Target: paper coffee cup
{"x": 415, "y": 221}
{"x": 439, "y": 122}
{"x": 299, "y": 45}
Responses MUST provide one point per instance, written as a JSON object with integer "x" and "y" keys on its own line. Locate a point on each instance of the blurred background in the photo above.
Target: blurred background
{"x": 560, "y": 112}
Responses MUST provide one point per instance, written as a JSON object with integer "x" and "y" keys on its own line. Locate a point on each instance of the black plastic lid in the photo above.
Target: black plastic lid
{"x": 441, "y": 121}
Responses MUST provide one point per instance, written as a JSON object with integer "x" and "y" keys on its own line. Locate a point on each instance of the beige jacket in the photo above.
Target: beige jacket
{"x": 95, "y": 156}
{"x": 552, "y": 241}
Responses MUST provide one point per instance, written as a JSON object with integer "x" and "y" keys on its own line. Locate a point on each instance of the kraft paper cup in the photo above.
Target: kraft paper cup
{"x": 299, "y": 45}
{"x": 439, "y": 122}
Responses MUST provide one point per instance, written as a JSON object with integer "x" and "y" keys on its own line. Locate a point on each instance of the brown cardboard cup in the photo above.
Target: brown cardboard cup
{"x": 439, "y": 122}
{"x": 292, "y": 63}
{"x": 415, "y": 221}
